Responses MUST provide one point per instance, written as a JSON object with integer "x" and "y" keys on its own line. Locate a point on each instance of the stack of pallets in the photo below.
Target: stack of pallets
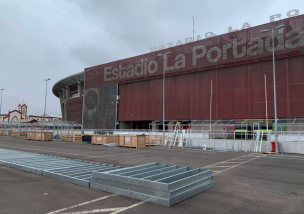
{"x": 74, "y": 138}
{"x": 151, "y": 140}
{"x": 22, "y": 134}
{"x": 15, "y": 134}
{"x": 64, "y": 137}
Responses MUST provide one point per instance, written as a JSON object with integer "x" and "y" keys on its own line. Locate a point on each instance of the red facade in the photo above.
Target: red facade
{"x": 74, "y": 109}
{"x": 238, "y": 93}
{"x": 235, "y": 62}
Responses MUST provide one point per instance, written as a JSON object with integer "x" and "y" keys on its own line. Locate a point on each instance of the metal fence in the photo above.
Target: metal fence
{"x": 219, "y": 138}
{"x": 55, "y": 127}
{"x": 289, "y": 141}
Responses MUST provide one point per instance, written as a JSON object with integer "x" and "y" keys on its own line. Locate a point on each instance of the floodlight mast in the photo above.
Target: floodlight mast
{"x": 1, "y": 102}
{"x": 83, "y": 99}
{"x": 46, "y": 81}
{"x": 274, "y": 87}
{"x": 161, "y": 55}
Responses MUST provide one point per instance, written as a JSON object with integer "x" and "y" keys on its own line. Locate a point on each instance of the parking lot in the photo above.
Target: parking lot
{"x": 244, "y": 182}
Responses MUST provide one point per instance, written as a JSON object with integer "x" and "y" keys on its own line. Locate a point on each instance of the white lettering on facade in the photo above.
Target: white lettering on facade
{"x": 166, "y": 64}
{"x": 178, "y": 43}
{"x": 155, "y": 66}
{"x": 268, "y": 42}
{"x": 122, "y": 72}
{"x": 188, "y": 40}
{"x": 256, "y": 48}
{"x": 170, "y": 44}
{"x": 115, "y": 74}
{"x": 272, "y": 18}
{"x": 195, "y": 55}
{"x": 209, "y": 34}
{"x": 130, "y": 71}
{"x": 180, "y": 61}
{"x": 230, "y": 29}
{"x": 293, "y": 13}
{"x": 139, "y": 68}
{"x": 235, "y": 50}
{"x": 296, "y": 41}
{"x": 218, "y": 54}
{"x": 275, "y": 16}
{"x": 106, "y": 73}
{"x": 246, "y": 25}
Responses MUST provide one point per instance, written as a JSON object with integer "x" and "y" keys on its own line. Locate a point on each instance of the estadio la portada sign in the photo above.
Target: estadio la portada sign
{"x": 219, "y": 51}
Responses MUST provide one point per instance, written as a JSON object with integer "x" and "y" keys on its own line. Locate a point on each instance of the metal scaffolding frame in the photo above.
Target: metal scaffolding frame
{"x": 55, "y": 127}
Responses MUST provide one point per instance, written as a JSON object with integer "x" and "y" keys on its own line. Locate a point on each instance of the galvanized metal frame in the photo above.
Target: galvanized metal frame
{"x": 157, "y": 183}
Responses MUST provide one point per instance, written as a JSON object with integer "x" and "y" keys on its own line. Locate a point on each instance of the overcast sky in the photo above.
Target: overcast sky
{"x": 42, "y": 39}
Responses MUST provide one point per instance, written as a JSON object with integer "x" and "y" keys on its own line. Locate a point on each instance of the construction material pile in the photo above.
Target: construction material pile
{"x": 157, "y": 183}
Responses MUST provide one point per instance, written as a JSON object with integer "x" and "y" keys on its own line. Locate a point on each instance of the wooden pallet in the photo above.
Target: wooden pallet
{"x": 15, "y": 134}
{"x": 269, "y": 153}
{"x": 74, "y": 137}
{"x": 63, "y": 137}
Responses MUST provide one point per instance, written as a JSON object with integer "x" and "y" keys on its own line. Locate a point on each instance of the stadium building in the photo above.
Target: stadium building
{"x": 225, "y": 77}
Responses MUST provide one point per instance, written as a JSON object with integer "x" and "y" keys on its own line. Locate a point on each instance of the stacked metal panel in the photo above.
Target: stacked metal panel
{"x": 70, "y": 170}
{"x": 155, "y": 182}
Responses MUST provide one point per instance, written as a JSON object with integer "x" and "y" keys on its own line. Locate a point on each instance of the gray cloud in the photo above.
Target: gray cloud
{"x": 54, "y": 39}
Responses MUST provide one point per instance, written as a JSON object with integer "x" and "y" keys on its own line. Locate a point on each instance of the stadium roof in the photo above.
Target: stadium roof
{"x": 67, "y": 81}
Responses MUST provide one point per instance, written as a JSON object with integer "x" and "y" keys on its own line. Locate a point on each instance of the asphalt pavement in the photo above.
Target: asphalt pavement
{"x": 244, "y": 182}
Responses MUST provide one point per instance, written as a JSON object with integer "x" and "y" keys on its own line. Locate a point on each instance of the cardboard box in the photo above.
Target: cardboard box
{"x": 29, "y": 135}
{"x": 112, "y": 138}
{"x": 121, "y": 140}
{"x": 47, "y": 136}
{"x": 98, "y": 139}
{"x": 115, "y": 138}
{"x": 135, "y": 141}
{"x": 141, "y": 141}
{"x": 33, "y": 136}
{"x": 37, "y": 136}
{"x": 128, "y": 139}
{"x": 43, "y": 136}
{"x": 109, "y": 139}
{"x": 8, "y": 133}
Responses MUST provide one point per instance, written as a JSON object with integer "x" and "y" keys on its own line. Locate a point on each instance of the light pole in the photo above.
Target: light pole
{"x": 274, "y": 88}
{"x": 161, "y": 55}
{"x": 1, "y": 100}
{"x": 46, "y": 81}
{"x": 83, "y": 99}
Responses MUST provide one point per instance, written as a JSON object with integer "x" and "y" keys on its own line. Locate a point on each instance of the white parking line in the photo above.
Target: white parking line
{"x": 112, "y": 210}
{"x": 237, "y": 161}
{"x": 75, "y": 153}
{"x": 235, "y": 166}
{"x": 185, "y": 150}
{"x": 238, "y": 158}
{"x": 129, "y": 207}
{"x": 96, "y": 211}
{"x": 78, "y": 205}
